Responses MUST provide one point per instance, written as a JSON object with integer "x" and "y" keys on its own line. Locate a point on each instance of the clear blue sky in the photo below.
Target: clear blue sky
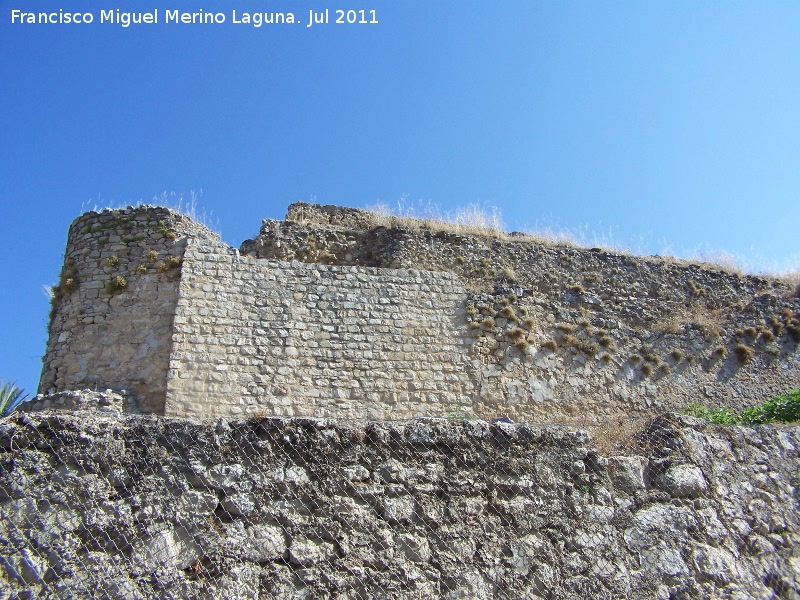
{"x": 674, "y": 124}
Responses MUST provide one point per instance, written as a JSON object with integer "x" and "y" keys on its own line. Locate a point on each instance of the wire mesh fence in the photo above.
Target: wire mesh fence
{"x": 95, "y": 506}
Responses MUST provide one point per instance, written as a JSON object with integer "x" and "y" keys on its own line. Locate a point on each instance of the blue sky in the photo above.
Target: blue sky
{"x": 672, "y": 125}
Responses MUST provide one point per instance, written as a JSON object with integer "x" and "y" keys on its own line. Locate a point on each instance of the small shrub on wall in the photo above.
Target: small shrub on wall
{"x": 784, "y": 408}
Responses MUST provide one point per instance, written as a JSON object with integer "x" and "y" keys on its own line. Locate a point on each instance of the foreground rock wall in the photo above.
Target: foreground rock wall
{"x": 142, "y": 507}
{"x": 277, "y": 338}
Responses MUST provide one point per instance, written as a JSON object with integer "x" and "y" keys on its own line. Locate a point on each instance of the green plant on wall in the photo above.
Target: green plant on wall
{"x": 784, "y": 408}
{"x": 116, "y": 285}
{"x": 173, "y": 262}
{"x": 166, "y": 230}
{"x": 718, "y": 416}
{"x": 68, "y": 282}
{"x": 460, "y": 413}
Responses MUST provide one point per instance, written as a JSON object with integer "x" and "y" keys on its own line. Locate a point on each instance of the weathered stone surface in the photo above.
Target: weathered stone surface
{"x": 683, "y": 481}
{"x": 27, "y": 568}
{"x": 198, "y": 503}
{"x": 627, "y": 473}
{"x": 398, "y": 509}
{"x": 127, "y": 507}
{"x": 415, "y": 548}
{"x": 171, "y": 548}
{"x": 652, "y": 524}
{"x": 714, "y": 563}
{"x": 306, "y": 551}
{"x": 228, "y": 478}
{"x": 357, "y": 473}
{"x": 102, "y": 336}
{"x": 265, "y": 542}
{"x": 74, "y": 400}
{"x": 238, "y": 505}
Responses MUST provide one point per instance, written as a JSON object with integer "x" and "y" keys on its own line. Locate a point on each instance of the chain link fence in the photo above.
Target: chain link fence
{"x": 124, "y": 506}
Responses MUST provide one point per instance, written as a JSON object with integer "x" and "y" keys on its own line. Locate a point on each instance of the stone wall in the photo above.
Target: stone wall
{"x": 338, "y": 312}
{"x": 572, "y": 334}
{"x": 136, "y": 507}
{"x": 113, "y": 308}
{"x": 283, "y": 338}
{"x": 98, "y": 502}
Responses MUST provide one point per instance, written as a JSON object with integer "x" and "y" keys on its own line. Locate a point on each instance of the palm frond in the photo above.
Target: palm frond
{"x": 11, "y": 397}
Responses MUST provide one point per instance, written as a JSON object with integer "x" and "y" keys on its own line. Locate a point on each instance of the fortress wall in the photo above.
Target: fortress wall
{"x": 277, "y": 338}
{"x": 568, "y": 334}
{"x": 111, "y": 323}
{"x": 212, "y": 333}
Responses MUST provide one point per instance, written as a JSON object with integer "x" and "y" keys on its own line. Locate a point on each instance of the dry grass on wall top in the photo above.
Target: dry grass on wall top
{"x": 187, "y": 204}
{"x": 467, "y": 220}
{"x": 473, "y": 219}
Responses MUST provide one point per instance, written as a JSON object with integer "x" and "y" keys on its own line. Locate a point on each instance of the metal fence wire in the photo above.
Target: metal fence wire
{"x": 127, "y": 506}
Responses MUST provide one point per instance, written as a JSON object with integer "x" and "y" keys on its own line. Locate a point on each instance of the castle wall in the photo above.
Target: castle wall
{"x": 153, "y": 303}
{"x": 257, "y": 336}
{"x": 560, "y": 333}
{"x": 113, "y": 308}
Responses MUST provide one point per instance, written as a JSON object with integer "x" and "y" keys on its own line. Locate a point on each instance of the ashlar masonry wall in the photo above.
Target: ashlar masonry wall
{"x": 277, "y": 338}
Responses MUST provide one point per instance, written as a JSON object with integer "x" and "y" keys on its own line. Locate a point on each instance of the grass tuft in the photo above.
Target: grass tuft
{"x": 488, "y": 323}
{"x": 588, "y": 348}
{"x": 116, "y": 285}
{"x": 516, "y": 334}
{"x": 570, "y": 340}
{"x": 550, "y": 345}
{"x": 743, "y": 353}
{"x": 507, "y": 312}
{"x": 468, "y": 220}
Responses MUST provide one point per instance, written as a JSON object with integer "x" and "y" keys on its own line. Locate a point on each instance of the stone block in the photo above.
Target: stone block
{"x": 627, "y": 473}
{"x": 683, "y": 481}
